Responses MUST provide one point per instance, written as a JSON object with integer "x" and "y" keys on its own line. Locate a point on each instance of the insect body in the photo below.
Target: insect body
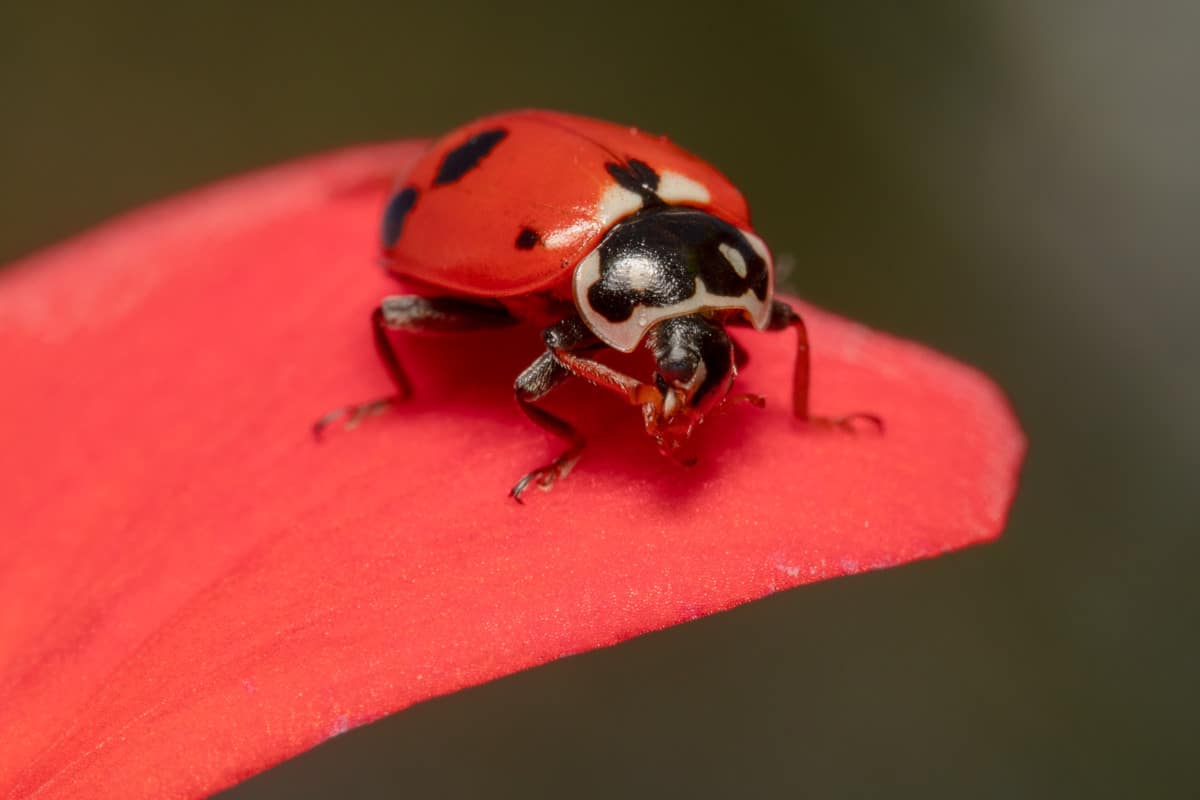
{"x": 610, "y": 237}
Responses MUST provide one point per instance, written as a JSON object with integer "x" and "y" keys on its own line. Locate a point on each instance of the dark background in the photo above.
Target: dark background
{"x": 1016, "y": 183}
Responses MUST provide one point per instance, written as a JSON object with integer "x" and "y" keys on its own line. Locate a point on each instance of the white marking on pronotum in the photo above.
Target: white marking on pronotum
{"x": 760, "y": 247}
{"x": 637, "y": 271}
{"x": 675, "y": 188}
{"x": 626, "y": 335}
{"x": 735, "y": 259}
{"x": 587, "y": 273}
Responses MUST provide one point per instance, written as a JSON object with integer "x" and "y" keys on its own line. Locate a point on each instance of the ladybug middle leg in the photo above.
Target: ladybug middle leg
{"x": 783, "y": 317}
{"x": 417, "y": 315}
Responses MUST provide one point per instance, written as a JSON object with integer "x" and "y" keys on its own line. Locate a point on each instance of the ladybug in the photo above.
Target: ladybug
{"x": 607, "y": 236}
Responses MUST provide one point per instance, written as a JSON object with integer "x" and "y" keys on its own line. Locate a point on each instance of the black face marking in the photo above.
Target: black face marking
{"x": 527, "y": 238}
{"x": 393, "y": 216}
{"x": 466, "y": 156}
{"x": 636, "y": 176}
{"x": 654, "y": 258}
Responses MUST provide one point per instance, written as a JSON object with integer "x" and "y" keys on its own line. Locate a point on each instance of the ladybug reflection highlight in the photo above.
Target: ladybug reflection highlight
{"x": 605, "y": 235}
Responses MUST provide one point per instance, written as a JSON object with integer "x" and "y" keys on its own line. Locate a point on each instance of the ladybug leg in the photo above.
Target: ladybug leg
{"x": 532, "y": 385}
{"x": 565, "y": 341}
{"x": 784, "y": 316}
{"x": 416, "y": 315}
{"x": 741, "y": 357}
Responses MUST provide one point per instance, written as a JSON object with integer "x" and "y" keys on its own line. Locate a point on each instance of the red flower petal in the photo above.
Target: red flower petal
{"x": 196, "y": 590}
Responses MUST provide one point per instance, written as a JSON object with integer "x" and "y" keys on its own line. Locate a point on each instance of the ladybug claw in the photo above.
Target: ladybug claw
{"x": 543, "y": 477}
{"x": 847, "y": 423}
{"x": 354, "y": 414}
{"x": 519, "y": 487}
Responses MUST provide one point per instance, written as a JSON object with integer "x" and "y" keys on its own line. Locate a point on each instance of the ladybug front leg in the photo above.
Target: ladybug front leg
{"x": 565, "y": 341}
{"x": 784, "y": 316}
{"x": 568, "y": 338}
{"x": 417, "y": 315}
{"x": 532, "y": 385}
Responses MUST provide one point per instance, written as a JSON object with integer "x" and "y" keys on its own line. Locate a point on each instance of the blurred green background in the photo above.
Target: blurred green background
{"x": 1015, "y": 183}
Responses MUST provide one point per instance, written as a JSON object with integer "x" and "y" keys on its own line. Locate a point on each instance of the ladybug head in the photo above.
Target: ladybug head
{"x": 694, "y": 369}
{"x": 669, "y": 276}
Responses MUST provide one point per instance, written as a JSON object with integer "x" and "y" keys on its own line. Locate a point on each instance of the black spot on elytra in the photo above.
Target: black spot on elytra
{"x": 636, "y": 176}
{"x": 682, "y": 244}
{"x": 393, "y": 216}
{"x": 466, "y": 156}
{"x": 527, "y": 239}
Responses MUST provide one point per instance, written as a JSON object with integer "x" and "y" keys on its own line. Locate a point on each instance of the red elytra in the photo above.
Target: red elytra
{"x": 533, "y": 171}
{"x": 196, "y": 590}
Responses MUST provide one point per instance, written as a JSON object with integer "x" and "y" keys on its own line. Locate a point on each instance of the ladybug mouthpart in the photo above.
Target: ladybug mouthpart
{"x": 672, "y": 433}
{"x": 669, "y": 433}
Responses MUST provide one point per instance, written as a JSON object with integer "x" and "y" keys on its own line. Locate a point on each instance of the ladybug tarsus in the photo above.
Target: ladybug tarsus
{"x": 354, "y": 415}
{"x": 847, "y": 423}
{"x": 538, "y": 379}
